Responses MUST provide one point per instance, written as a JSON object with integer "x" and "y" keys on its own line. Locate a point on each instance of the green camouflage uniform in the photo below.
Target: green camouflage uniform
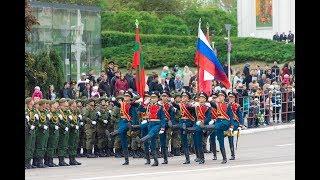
{"x": 53, "y": 134}
{"x": 73, "y": 134}
{"x": 42, "y": 135}
{"x": 102, "y": 123}
{"x": 90, "y": 129}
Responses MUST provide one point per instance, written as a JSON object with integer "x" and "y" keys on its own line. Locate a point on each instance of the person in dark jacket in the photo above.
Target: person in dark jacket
{"x": 65, "y": 91}
{"x": 172, "y": 86}
{"x": 155, "y": 85}
{"x": 129, "y": 78}
{"x": 283, "y": 37}
{"x": 91, "y": 76}
{"x": 113, "y": 81}
{"x": 87, "y": 92}
{"x": 110, "y": 72}
{"x": 104, "y": 86}
{"x": 290, "y": 37}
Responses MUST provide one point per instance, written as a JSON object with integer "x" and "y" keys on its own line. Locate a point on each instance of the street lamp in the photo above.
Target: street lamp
{"x": 228, "y": 28}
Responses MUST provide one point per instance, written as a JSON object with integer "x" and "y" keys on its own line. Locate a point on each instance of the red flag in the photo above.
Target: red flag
{"x": 138, "y": 65}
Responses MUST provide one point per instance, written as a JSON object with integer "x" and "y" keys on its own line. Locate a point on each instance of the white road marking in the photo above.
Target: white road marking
{"x": 184, "y": 171}
{"x": 284, "y": 145}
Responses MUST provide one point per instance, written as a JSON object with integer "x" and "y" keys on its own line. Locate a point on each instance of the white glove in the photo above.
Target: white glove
{"x": 172, "y": 99}
{"x": 70, "y": 117}
{"x": 144, "y": 121}
{"x": 77, "y": 127}
{"x": 45, "y": 127}
{"x": 113, "y": 99}
{"x": 81, "y": 123}
{"x": 210, "y": 99}
{"x": 66, "y": 129}
{"x": 231, "y": 129}
{"x": 175, "y": 109}
{"x": 98, "y": 113}
{"x": 80, "y": 116}
{"x": 239, "y": 128}
{"x": 32, "y": 127}
{"x": 196, "y": 104}
{"x": 36, "y": 116}
{"x": 48, "y": 116}
{"x": 160, "y": 103}
{"x": 198, "y": 123}
{"x": 207, "y": 104}
{"x": 105, "y": 121}
{"x": 56, "y": 127}
{"x": 94, "y": 122}
{"x": 60, "y": 116}
{"x": 110, "y": 111}
{"x": 161, "y": 131}
{"x": 211, "y": 122}
{"x": 27, "y": 117}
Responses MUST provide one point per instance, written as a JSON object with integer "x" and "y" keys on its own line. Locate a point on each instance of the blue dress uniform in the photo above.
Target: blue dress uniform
{"x": 156, "y": 122}
{"x": 128, "y": 116}
{"x": 235, "y": 122}
{"x": 169, "y": 118}
{"x": 203, "y": 113}
{"x": 187, "y": 120}
{"x": 222, "y": 124}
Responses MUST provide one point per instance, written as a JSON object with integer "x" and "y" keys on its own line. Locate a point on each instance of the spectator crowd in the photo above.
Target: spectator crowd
{"x": 283, "y": 37}
{"x": 266, "y": 94}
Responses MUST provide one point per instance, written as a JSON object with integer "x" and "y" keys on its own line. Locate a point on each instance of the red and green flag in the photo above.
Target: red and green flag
{"x": 138, "y": 64}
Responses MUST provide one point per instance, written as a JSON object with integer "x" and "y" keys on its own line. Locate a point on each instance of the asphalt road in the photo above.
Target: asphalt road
{"x": 262, "y": 155}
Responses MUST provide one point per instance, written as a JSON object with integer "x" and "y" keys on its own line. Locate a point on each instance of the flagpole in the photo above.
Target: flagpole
{"x": 138, "y": 71}
{"x": 198, "y": 68}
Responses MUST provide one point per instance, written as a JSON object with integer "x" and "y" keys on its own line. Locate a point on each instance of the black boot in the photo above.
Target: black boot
{"x": 224, "y": 156}
{"x": 40, "y": 163}
{"x": 186, "y": 153}
{"x": 214, "y": 151}
{"x": 27, "y": 165}
{"x": 96, "y": 151}
{"x": 84, "y": 154}
{"x": 169, "y": 153}
{"x": 90, "y": 154}
{"x": 231, "y": 144}
{"x": 201, "y": 156}
{"x": 117, "y": 153}
{"x": 107, "y": 152}
{"x": 72, "y": 161}
{"x": 51, "y": 162}
{"x": 135, "y": 154}
{"x": 159, "y": 153}
{"x": 155, "y": 158}
{"x": 47, "y": 162}
{"x": 165, "y": 155}
{"x": 62, "y": 162}
{"x": 34, "y": 162}
{"x": 78, "y": 152}
{"x": 126, "y": 157}
{"x": 197, "y": 159}
{"x": 147, "y": 156}
{"x": 111, "y": 151}
{"x": 102, "y": 153}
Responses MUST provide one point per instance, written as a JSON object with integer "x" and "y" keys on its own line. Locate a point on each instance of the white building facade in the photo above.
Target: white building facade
{"x": 263, "y": 18}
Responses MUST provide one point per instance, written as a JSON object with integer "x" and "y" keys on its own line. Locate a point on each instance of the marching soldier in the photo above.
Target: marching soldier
{"x": 103, "y": 120}
{"x": 156, "y": 124}
{"x": 176, "y": 139}
{"x": 128, "y": 117}
{"x": 42, "y": 134}
{"x": 32, "y": 119}
{"x": 213, "y": 135}
{"x": 73, "y": 133}
{"x": 236, "y": 121}
{"x": 187, "y": 120}
{"x": 63, "y": 131}
{"x": 90, "y": 128}
{"x": 53, "y": 134}
{"x": 169, "y": 117}
{"x": 115, "y": 119}
{"x": 223, "y": 122}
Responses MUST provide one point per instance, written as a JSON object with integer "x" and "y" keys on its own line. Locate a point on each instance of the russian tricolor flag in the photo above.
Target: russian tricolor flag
{"x": 208, "y": 61}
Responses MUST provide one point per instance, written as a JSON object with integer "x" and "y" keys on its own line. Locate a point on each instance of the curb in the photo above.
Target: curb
{"x": 251, "y": 131}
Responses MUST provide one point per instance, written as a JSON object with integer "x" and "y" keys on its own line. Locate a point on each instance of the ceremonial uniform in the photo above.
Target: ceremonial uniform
{"x": 187, "y": 120}
{"x": 223, "y": 122}
{"x": 82, "y": 142}
{"x": 236, "y": 121}
{"x": 42, "y": 134}
{"x": 203, "y": 113}
{"x": 63, "y": 132}
{"x": 156, "y": 122}
{"x": 53, "y": 137}
{"x": 169, "y": 118}
{"x": 128, "y": 116}
{"x": 73, "y": 135}
{"x": 32, "y": 119}
{"x": 212, "y": 138}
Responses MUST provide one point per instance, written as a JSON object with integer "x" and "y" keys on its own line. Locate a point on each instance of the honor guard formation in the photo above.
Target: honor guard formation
{"x": 130, "y": 126}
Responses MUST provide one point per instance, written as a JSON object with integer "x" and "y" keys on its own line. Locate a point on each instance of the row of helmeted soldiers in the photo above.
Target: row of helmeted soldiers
{"x": 212, "y": 114}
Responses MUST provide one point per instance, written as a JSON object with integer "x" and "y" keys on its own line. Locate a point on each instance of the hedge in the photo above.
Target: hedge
{"x": 160, "y": 50}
